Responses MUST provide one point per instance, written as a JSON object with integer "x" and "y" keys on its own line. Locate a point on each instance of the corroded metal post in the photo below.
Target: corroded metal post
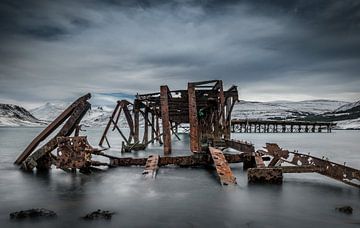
{"x": 146, "y": 126}
{"x": 136, "y": 120}
{"x": 165, "y": 119}
{"x": 109, "y": 123}
{"x": 152, "y": 124}
{"x": 193, "y": 120}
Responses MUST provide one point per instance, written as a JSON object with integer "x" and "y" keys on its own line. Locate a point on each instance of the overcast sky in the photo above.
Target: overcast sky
{"x": 273, "y": 50}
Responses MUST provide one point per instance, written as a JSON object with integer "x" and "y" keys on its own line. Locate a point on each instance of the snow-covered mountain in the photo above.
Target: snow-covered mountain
{"x": 319, "y": 109}
{"x": 13, "y": 115}
{"x": 49, "y": 111}
{"x": 348, "y": 107}
{"x": 283, "y": 109}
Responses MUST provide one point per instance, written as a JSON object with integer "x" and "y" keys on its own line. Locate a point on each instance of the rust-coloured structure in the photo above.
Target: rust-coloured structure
{"x": 205, "y": 107}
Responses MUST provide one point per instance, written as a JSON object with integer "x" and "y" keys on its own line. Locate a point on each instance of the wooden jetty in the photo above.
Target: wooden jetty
{"x": 279, "y": 126}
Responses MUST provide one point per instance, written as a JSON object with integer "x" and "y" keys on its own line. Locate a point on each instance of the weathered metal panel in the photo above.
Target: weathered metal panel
{"x": 222, "y": 167}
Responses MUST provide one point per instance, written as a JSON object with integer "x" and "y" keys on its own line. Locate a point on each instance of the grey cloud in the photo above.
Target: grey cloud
{"x": 58, "y": 50}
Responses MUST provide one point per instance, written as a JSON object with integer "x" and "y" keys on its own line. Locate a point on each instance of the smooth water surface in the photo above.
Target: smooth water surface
{"x": 182, "y": 197}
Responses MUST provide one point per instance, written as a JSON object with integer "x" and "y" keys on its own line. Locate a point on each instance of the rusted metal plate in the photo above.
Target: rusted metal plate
{"x": 265, "y": 175}
{"x": 151, "y": 166}
{"x": 73, "y": 152}
{"x": 222, "y": 167}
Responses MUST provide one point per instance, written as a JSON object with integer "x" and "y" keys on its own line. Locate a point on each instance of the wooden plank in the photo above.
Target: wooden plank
{"x": 222, "y": 167}
{"x": 151, "y": 166}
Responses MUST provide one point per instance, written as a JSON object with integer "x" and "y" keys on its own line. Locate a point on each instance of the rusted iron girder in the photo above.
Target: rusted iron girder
{"x": 51, "y": 128}
{"x": 198, "y": 159}
{"x": 222, "y": 167}
{"x": 66, "y": 130}
{"x": 164, "y": 93}
{"x": 336, "y": 171}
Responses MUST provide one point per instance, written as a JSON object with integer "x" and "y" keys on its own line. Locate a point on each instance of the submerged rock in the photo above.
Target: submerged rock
{"x": 345, "y": 209}
{"x": 32, "y": 213}
{"x": 99, "y": 214}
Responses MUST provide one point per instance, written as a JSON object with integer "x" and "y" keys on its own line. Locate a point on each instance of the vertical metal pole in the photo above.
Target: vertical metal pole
{"x": 165, "y": 119}
{"x": 193, "y": 120}
{"x": 136, "y": 120}
{"x": 153, "y": 124}
{"x": 146, "y": 126}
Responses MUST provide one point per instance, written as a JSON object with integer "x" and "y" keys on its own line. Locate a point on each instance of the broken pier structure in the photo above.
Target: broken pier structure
{"x": 204, "y": 106}
{"x": 279, "y": 126}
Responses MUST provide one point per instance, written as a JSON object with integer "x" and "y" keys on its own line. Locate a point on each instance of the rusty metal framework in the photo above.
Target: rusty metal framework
{"x": 205, "y": 107}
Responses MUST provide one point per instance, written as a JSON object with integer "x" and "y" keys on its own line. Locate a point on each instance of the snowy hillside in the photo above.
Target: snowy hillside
{"x": 49, "y": 111}
{"x": 347, "y": 107}
{"x": 98, "y": 116}
{"x": 283, "y": 109}
{"x": 13, "y": 115}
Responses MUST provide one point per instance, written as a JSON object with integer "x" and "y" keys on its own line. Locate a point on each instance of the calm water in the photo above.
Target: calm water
{"x": 180, "y": 197}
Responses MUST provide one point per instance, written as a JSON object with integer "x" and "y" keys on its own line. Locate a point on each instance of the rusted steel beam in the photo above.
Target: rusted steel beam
{"x": 222, "y": 167}
{"x": 301, "y": 169}
{"x": 165, "y": 119}
{"x": 120, "y": 132}
{"x": 193, "y": 120}
{"x": 197, "y": 159}
{"x": 136, "y": 111}
{"x": 51, "y": 128}
{"x": 146, "y": 126}
{"x": 66, "y": 130}
{"x": 336, "y": 171}
{"x": 152, "y": 127}
{"x": 151, "y": 166}
{"x": 240, "y": 145}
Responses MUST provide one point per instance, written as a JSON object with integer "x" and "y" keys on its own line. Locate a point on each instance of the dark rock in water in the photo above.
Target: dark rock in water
{"x": 345, "y": 209}
{"x": 99, "y": 214}
{"x": 32, "y": 213}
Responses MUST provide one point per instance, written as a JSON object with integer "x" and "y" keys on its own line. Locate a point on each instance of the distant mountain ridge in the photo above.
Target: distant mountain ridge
{"x": 346, "y": 116}
{"x": 14, "y": 115}
{"x": 343, "y": 113}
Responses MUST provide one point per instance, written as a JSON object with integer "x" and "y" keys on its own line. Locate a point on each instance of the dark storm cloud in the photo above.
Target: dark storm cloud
{"x": 271, "y": 49}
